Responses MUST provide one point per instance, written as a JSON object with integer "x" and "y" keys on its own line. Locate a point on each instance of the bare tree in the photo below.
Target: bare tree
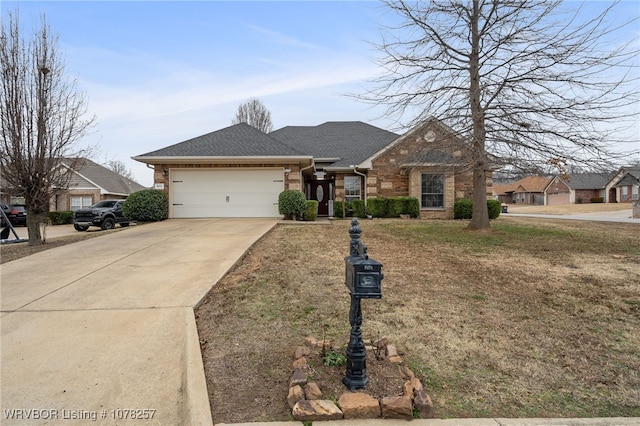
{"x": 120, "y": 168}
{"x": 254, "y": 113}
{"x": 526, "y": 81}
{"x": 41, "y": 119}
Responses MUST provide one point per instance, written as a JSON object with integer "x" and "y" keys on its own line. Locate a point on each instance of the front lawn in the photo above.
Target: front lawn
{"x": 535, "y": 318}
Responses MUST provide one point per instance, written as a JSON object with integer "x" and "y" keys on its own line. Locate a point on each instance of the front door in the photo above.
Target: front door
{"x": 321, "y": 192}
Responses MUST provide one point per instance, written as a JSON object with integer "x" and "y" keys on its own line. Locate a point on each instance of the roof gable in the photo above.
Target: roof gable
{"x": 588, "y": 180}
{"x": 432, "y": 153}
{"x": 102, "y": 177}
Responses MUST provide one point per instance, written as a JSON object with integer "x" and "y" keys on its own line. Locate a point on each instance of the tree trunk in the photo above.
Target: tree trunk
{"x": 480, "y": 214}
{"x": 34, "y": 220}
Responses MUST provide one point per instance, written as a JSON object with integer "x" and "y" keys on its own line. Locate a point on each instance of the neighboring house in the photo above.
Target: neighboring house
{"x": 624, "y": 186}
{"x": 90, "y": 182}
{"x": 239, "y": 171}
{"x": 528, "y": 190}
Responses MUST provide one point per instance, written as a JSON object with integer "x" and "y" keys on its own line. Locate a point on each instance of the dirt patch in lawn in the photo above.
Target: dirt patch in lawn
{"x": 536, "y": 318}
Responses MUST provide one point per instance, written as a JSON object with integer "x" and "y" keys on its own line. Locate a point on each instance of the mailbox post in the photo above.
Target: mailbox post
{"x": 363, "y": 278}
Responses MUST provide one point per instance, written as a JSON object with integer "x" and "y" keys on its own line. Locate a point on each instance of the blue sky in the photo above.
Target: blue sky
{"x": 157, "y": 73}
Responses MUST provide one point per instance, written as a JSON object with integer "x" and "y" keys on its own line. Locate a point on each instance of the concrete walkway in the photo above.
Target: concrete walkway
{"x": 104, "y": 327}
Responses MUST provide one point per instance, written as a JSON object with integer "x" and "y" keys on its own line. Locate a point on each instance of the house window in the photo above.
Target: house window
{"x": 78, "y": 203}
{"x": 352, "y": 188}
{"x": 432, "y": 191}
{"x": 625, "y": 193}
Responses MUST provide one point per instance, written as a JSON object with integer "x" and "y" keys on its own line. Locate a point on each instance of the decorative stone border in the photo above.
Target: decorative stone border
{"x": 305, "y": 398}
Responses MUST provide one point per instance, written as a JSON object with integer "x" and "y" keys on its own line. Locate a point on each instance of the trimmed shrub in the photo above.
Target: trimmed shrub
{"x": 337, "y": 209}
{"x": 377, "y": 207}
{"x": 411, "y": 206}
{"x": 311, "y": 211}
{"x": 394, "y": 206}
{"x": 148, "y": 205}
{"x": 597, "y": 200}
{"x": 495, "y": 208}
{"x": 291, "y": 203}
{"x": 61, "y": 217}
{"x": 463, "y": 209}
{"x": 358, "y": 208}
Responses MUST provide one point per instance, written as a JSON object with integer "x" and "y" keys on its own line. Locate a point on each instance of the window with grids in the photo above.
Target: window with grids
{"x": 432, "y": 191}
{"x": 78, "y": 203}
{"x": 352, "y": 188}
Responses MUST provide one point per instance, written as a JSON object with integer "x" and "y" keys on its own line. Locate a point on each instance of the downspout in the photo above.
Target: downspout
{"x": 365, "y": 187}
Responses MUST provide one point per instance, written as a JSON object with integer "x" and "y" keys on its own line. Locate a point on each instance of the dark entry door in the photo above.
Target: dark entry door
{"x": 321, "y": 193}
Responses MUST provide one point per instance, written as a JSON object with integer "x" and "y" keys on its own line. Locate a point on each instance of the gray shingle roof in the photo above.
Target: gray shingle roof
{"x": 107, "y": 179}
{"x": 240, "y": 140}
{"x": 588, "y": 180}
{"x": 352, "y": 142}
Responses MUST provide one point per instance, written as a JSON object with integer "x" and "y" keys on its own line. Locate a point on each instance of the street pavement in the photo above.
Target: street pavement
{"x": 621, "y": 216}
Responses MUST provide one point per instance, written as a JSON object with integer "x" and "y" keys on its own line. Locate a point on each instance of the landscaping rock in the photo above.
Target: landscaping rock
{"x": 416, "y": 384}
{"x": 392, "y": 351}
{"x": 295, "y": 394}
{"x": 422, "y": 402}
{"x": 397, "y": 407}
{"x": 300, "y": 363}
{"x": 301, "y": 351}
{"x": 298, "y": 377}
{"x": 396, "y": 359}
{"x": 321, "y": 409}
{"x": 312, "y": 391}
{"x": 358, "y": 405}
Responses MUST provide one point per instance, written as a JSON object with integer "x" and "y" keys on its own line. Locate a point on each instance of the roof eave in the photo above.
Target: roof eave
{"x": 223, "y": 159}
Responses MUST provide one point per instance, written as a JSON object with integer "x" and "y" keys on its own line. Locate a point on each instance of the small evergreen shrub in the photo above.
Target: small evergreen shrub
{"x": 597, "y": 200}
{"x": 411, "y": 206}
{"x": 148, "y": 205}
{"x": 377, "y": 207}
{"x": 337, "y": 209}
{"x": 291, "y": 203}
{"x": 358, "y": 208}
{"x": 394, "y": 206}
{"x": 495, "y": 208}
{"x": 463, "y": 209}
{"x": 311, "y": 211}
{"x": 61, "y": 217}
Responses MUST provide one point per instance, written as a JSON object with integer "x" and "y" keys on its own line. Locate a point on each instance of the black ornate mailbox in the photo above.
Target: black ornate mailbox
{"x": 363, "y": 278}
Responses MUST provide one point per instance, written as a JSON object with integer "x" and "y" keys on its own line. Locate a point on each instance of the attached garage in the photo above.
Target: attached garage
{"x": 238, "y": 192}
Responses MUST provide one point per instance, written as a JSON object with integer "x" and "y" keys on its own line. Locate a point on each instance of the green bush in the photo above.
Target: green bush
{"x": 311, "y": 211}
{"x": 495, "y": 208}
{"x": 148, "y": 205}
{"x": 597, "y": 200}
{"x": 291, "y": 203}
{"x": 359, "y": 208}
{"x": 394, "y": 206}
{"x": 411, "y": 206}
{"x": 463, "y": 209}
{"x": 61, "y": 217}
{"x": 377, "y": 207}
{"x": 337, "y": 209}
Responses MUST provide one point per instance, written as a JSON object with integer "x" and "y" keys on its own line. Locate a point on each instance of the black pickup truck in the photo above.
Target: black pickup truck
{"x": 105, "y": 214}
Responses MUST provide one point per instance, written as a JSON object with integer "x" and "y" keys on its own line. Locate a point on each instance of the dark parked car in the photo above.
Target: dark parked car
{"x": 16, "y": 213}
{"x": 105, "y": 214}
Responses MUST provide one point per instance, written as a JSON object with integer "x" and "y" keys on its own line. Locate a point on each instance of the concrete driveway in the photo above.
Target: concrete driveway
{"x": 104, "y": 329}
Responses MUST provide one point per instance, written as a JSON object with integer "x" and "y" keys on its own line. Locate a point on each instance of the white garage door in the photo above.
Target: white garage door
{"x": 225, "y": 193}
